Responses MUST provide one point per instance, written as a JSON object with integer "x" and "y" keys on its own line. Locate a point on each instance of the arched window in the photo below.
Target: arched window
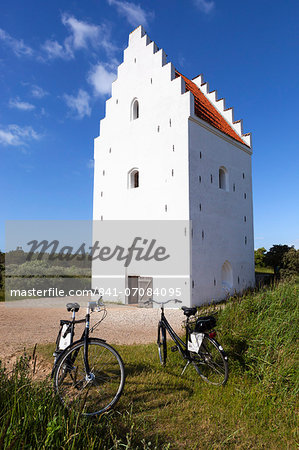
{"x": 227, "y": 277}
{"x": 135, "y": 109}
{"x": 223, "y": 179}
{"x": 133, "y": 179}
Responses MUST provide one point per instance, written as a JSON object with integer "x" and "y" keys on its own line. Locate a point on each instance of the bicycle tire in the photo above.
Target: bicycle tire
{"x": 211, "y": 362}
{"x": 102, "y": 390}
{"x": 162, "y": 346}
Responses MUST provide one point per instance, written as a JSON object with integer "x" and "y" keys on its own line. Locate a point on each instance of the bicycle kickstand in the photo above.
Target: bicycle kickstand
{"x": 188, "y": 362}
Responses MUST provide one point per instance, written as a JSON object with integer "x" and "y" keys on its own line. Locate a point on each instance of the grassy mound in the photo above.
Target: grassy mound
{"x": 260, "y": 332}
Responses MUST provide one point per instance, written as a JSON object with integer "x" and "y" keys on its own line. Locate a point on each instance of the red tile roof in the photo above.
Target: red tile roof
{"x": 206, "y": 111}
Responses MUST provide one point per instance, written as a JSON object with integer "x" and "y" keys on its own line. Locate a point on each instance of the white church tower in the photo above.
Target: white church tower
{"x": 169, "y": 150}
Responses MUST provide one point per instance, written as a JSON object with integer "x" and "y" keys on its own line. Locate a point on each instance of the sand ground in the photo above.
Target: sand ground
{"x": 25, "y": 324}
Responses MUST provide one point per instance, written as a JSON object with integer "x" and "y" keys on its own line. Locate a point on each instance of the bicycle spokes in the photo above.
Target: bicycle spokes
{"x": 211, "y": 362}
{"x": 94, "y": 391}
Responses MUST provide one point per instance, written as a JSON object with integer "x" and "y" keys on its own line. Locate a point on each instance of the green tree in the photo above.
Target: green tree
{"x": 17, "y": 256}
{"x": 290, "y": 264}
{"x": 275, "y": 256}
{"x": 259, "y": 257}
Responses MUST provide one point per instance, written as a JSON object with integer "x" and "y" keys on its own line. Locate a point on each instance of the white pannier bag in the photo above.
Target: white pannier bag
{"x": 64, "y": 342}
{"x": 196, "y": 341}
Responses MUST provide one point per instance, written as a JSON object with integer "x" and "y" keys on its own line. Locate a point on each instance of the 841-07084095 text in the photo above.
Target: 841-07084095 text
{"x": 149, "y": 292}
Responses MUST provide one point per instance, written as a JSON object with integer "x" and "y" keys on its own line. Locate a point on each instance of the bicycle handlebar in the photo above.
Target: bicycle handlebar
{"x": 175, "y": 300}
{"x": 96, "y": 306}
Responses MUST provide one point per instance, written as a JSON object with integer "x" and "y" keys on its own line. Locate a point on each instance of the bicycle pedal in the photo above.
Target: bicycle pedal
{"x": 174, "y": 349}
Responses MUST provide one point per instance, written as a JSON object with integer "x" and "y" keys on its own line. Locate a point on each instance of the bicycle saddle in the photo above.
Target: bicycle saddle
{"x": 189, "y": 311}
{"x": 72, "y": 307}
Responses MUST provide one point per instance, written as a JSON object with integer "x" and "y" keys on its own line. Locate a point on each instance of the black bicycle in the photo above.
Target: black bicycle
{"x": 200, "y": 347}
{"x": 88, "y": 374}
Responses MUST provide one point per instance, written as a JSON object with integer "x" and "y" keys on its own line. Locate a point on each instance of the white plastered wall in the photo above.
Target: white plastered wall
{"x": 221, "y": 220}
{"x": 156, "y": 144}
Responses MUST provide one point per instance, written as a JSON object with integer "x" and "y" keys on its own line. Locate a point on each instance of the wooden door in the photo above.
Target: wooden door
{"x": 133, "y": 289}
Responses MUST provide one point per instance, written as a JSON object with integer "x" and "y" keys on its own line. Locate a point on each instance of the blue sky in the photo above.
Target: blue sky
{"x": 57, "y": 61}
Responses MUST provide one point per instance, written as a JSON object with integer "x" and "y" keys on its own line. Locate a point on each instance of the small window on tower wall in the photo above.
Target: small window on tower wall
{"x": 133, "y": 179}
{"x": 135, "y": 109}
{"x": 223, "y": 178}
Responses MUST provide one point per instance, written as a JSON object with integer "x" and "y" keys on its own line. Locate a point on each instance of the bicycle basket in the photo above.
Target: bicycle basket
{"x": 205, "y": 323}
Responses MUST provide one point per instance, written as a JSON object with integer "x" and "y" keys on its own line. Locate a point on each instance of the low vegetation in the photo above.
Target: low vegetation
{"x": 161, "y": 409}
{"x": 282, "y": 260}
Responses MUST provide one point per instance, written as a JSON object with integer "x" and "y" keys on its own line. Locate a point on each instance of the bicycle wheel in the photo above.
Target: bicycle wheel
{"x": 162, "y": 344}
{"x": 211, "y": 362}
{"x": 100, "y": 391}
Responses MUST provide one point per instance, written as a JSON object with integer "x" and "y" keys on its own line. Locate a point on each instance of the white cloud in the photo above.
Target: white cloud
{"x": 18, "y": 104}
{"x": 17, "y": 45}
{"x": 100, "y": 77}
{"x": 205, "y": 6}
{"x": 54, "y": 50}
{"x": 80, "y": 104}
{"x": 15, "y": 135}
{"x": 38, "y": 92}
{"x": 134, "y": 14}
{"x": 82, "y": 35}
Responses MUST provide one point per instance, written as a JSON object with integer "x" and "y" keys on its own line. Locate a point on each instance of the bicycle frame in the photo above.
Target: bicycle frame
{"x": 181, "y": 345}
{"x": 201, "y": 354}
{"x": 84, "y": 337}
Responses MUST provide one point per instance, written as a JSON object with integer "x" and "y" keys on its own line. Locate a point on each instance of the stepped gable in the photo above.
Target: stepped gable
{"x": 206, "y": 111}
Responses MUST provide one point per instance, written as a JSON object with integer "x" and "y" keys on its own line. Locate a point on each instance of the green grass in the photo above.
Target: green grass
{"x": 264, "y": 269}
{"x": 161, "y": 409}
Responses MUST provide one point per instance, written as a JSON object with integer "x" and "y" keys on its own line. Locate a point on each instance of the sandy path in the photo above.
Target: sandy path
{"x": 22, "y": 327}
